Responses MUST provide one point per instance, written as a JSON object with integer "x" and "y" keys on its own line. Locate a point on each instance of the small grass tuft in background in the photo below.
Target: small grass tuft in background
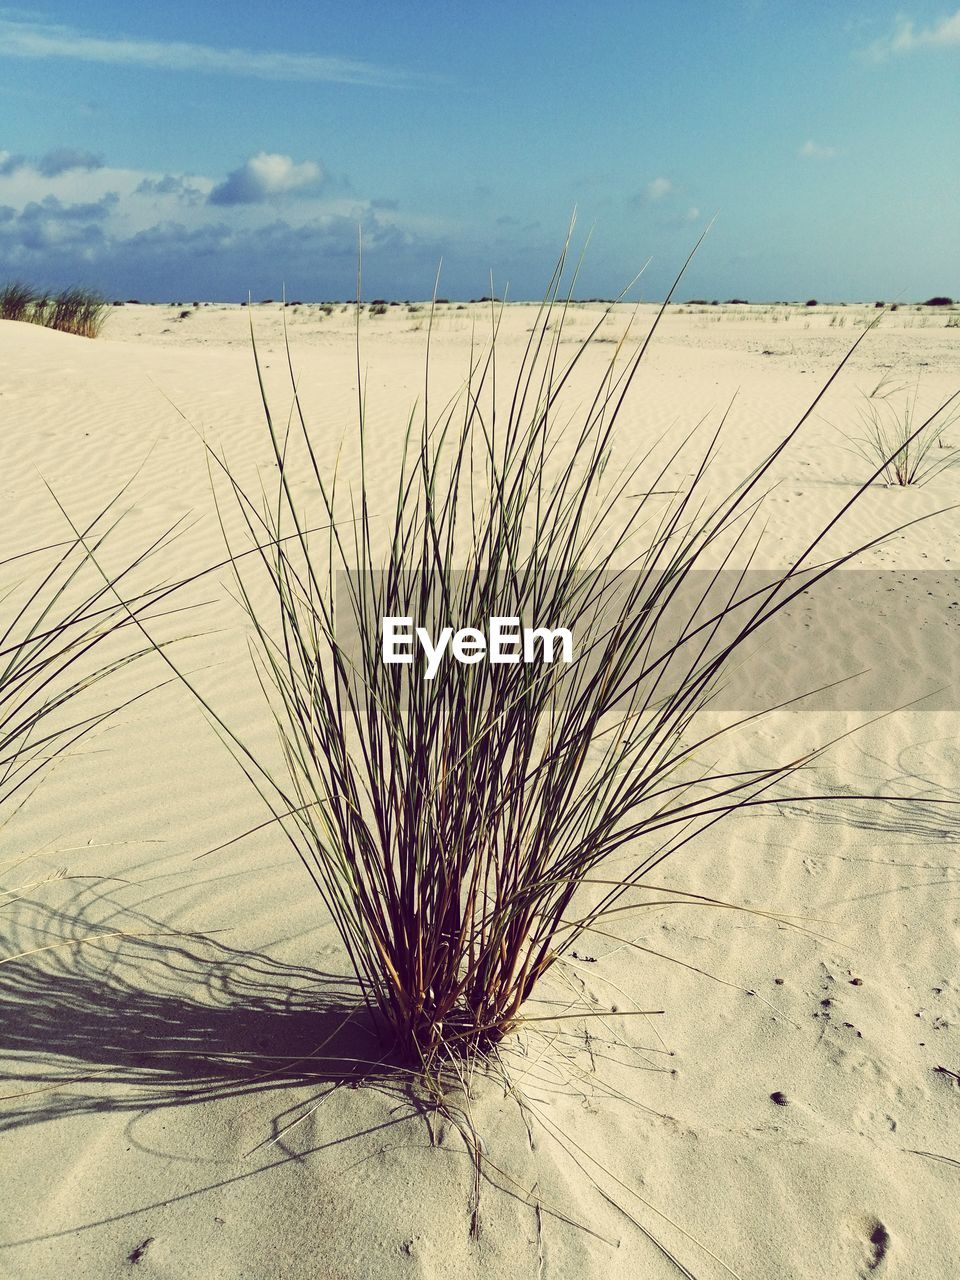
{"x": 907, "y": 449}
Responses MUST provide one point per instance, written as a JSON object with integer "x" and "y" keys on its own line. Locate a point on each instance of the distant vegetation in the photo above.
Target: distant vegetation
{"x": 939, "y": 301}
{"x": 75, "y": 310}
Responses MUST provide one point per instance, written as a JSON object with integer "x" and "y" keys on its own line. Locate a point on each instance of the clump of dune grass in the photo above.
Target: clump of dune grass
{"x": 17, "y": 301}
{"x": 74, "y": 310}
{"x": 63, "y": 630}
{"x": 461, "y": 829}
{"x": 906, "y": 447}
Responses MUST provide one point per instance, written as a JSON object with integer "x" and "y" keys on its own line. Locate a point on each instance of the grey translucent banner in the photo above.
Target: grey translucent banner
{"x": 857, "y": 640}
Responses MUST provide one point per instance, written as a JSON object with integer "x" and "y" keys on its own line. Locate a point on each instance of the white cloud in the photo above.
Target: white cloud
{"x": 42, "y": 40}
{"x": 659, "y": 189}
{"x": 907, "y": 37}
{"x": 814, "y": 151}
{"x": 265, "y": 175}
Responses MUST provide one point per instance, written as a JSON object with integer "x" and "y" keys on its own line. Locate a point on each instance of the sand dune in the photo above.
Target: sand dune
{"x": 170, "y": 1145}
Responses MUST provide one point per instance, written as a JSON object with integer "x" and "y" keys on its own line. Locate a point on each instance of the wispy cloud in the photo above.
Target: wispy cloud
{"x": 40, "y": 40}
{"x": 907, "y": 37}
{"x": 266, "y": 175}
{"x": 171, "y": 184}
{"x": 816, "y": 151}
{"x": 658, "y": 189}
{"x": 52, "y": 209}
{"x": 662, "y": 199}
{"x": 53, "y": 163}
{"x": 63, "y": 159}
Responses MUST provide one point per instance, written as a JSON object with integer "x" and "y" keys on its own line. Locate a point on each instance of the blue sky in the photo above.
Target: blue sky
{"x": 201, "y": 150}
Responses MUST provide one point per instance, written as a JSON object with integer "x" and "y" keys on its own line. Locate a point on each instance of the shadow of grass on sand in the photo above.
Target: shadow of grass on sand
{"x": 97, "y": 1023}
{"x": 128, "y": 1024}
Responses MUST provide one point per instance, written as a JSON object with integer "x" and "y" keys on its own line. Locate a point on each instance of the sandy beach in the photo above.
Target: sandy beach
{"x": 794, "y": 1112}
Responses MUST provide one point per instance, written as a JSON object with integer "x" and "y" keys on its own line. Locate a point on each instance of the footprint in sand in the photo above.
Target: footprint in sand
{"x": 878, "y": 1242}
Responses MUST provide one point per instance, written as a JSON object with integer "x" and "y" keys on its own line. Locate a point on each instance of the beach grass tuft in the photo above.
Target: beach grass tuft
{"x": 461, "y": 830}
{"x": 62, "y": 616}
{"x": 74, "y": 310}
{"x": 908, "y": 448}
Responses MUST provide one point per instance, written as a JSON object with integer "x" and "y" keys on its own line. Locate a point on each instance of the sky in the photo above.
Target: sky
{"x": 204, "y": 150}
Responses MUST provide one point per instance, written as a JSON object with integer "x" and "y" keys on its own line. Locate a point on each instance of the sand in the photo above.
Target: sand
{"x": 166, "y": 1148}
